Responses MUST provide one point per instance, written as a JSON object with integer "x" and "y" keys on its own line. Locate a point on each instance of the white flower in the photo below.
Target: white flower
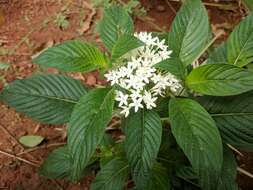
{"x": 149, "y": 100}
{"x": 160, "y": 44}
{"x": 156, "y": 78}
{"x": 122, "y": 83}
{"x": 121, "y": 98}
{"x": 124, "y": 71}
{"x": 113, "y": 77}
{"x": 135, "y": 94}
{"x": 132, "y": 82}
{"x": 134, "y": 63}
{"x": 136, "y": 104}
{"x": 125, "y": 110}
{"x": 143, "y": 82}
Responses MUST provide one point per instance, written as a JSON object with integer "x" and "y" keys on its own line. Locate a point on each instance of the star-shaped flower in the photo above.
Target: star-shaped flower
{"x": 149, "y": 100}
{"x": 121, "y": 98}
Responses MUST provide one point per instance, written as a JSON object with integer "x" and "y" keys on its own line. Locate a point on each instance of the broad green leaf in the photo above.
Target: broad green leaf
{"x": 124, "y": 44}
{"x": 31, "y": 140}
{"x": 234, "y": 118}
{"x": 57, "y": 165}
{"x": 86, "y": 128}
{"x": 143, "y": 132}
{"x": 159, "y": 178}
{"x": 220, "y": 80}
{"x": 199, "y": 138}
{"x": 186, "y": 172}
{"x": 218, "y": 55}
{"x": 190, "y": 32}
{"x": 174, "y": 66}
{"x": 112, "y": 176}
{"x": 190, "y": 179}
{"x": 240, "y": 43}
{"x": 115, "y": 23}
{"x": 170, "y": 154}
{"x": 45, "y": 98}
{"x": 250, "y": 67}
{"x": 228, "y": 173}
{"x": 249, "y": 4}
{"x": 72, "y": 56}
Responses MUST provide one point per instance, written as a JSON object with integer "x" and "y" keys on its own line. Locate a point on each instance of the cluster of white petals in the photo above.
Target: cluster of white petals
{"x": 139, "y": 82}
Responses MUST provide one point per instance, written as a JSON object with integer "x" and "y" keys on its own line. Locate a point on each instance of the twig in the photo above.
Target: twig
{"x": 235, "y": 150}
{"x": 171, "y": 7}
{"x": 12, "y": 137}
{"x": 19, "y": 158}
{"x": 40, "y": 147}
{"x": 208, "y": 45}
{"x": 244, "y": 172}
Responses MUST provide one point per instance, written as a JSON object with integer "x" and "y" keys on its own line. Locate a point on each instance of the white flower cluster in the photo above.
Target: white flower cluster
{"x": 139, "y": 81}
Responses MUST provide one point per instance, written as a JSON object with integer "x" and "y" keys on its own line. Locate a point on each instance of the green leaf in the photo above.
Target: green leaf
{"x": 72, "y": 56}
{"x": 159, "y": 178}
{"x": 197, "y": 135}
{"x": 190, "y": 179}
{"x": 45, "y": 98}
{"x": 249, "y": 4}
{"x": 112, "y": 176}
{"x": 190, "y": 32}
{"x": 174, "y": 66}
{"x": 229, "y": 171}
{"x": 186, "y": 173}
{"x": 220, "y": 80}
{"x": 143, "y": 138}
{"x": 115, "y": 23}
{"x": 57, "y": 165}
{"x": 86, "y": 128}
{"x": 170, "y": 154}
{"x": 218, "y": 55}
{"x": 234, "y": 117}
{"x": 31, "y": 140}
{"x": 124, "y": 44}
{"x": 240, "y": 43}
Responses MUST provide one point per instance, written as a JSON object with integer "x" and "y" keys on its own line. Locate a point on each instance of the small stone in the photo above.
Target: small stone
{"x": 160, "y": 8}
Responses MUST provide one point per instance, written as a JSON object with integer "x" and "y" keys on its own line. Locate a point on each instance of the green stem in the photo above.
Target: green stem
{"x": 164, "y": 119}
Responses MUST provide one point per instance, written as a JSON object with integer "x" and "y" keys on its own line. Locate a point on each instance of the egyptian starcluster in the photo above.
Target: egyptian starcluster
{"x": 139, "y": 82}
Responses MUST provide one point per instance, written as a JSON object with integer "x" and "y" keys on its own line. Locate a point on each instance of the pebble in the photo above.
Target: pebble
{"x": 160, "y": 8}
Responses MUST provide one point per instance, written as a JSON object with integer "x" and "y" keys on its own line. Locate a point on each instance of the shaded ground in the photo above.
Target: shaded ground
{"x": 27, "y": 27}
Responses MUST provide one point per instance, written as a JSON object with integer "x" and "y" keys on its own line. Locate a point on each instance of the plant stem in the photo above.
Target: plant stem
{"x": 164, "y": 119}
{"x": 235, "y": 150}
